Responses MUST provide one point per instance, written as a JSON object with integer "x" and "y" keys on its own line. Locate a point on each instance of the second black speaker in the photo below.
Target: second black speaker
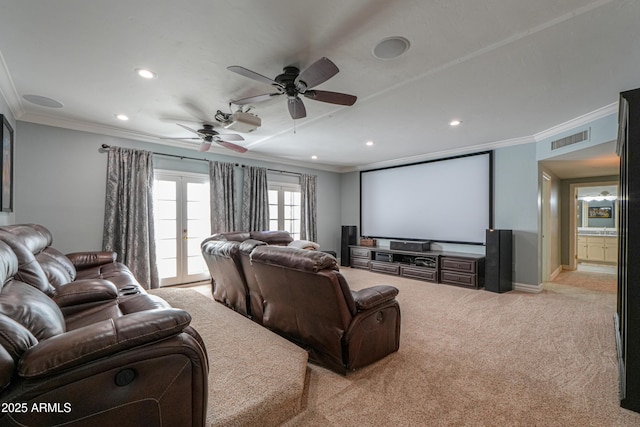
{"x": 498, "y": 260}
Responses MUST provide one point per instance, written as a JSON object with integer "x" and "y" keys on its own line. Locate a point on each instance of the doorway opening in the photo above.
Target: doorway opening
{"x": 593, "y": 247}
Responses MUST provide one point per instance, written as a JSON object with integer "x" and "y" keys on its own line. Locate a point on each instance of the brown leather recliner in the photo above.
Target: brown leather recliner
{"x": 228, "y": 284}
{"x": 308, "y": 301}
{"x": 139, "y": 368}
{"x": 232, "y": 280}
{"x": 90, "y": 356}
{"x": 61, "y": 269}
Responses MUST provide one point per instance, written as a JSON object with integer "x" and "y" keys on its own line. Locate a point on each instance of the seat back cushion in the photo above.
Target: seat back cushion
{"x": 273, "y": 237}
{"x": 229, "y": 284}
{"x": 255, "y": 295}
{"x": 32, "y": 309}
{"x": 57, "y": 266}
{"x": 7, "y": 368}
{"x": 15, "y": 338}
{"x": 29, "y": 269}
{"x": 303, "y": 297}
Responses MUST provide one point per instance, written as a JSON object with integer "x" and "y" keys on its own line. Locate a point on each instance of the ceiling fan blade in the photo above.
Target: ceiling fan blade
{"x": 230, "y": 137}
{"x": 296, "y": 108}
{"x": 252, "y": 75}
{"x": 204, "y": 146}
{"x": 318, "y": 72}
{"x": 331, "y": 97}
{"x": 231, "y": 146}
{"x": 188, "y": 128}
{"x": 252, "y": 99}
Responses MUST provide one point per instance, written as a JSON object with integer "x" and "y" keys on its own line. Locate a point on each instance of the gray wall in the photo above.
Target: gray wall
{"x": 61, "y": 176}
{"x": 516, "y": 180}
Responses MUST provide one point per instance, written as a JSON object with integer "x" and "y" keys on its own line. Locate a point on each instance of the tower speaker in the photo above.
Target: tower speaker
{"x": 497, "y": 271}
{"x": 349, "y": 237}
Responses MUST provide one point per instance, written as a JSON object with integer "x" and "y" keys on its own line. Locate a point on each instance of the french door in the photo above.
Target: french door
{"x": 182, "y": 223}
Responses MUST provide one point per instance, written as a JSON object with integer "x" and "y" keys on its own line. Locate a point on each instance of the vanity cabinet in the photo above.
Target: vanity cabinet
{"x": 598, "y": 248}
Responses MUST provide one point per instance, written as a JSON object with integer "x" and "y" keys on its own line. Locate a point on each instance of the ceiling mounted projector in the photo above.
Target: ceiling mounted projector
{"x": 243, "y": 122}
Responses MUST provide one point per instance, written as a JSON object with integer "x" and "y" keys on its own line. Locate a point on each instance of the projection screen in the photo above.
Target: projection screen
{"x": 447, "y": 200}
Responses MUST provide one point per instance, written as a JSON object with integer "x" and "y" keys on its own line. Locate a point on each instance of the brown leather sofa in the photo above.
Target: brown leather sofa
{"x": 232, "y": 280}
{"x": 90, "y": 351}
{"x": 308, "y": 301}
{"x": 61, "y": 269}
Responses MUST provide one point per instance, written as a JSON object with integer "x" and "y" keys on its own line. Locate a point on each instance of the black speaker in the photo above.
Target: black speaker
{"x": 497, "y": 271}
{"x": 349, "y": 237}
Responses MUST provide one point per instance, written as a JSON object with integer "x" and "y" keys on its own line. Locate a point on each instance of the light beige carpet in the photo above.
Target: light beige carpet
{"x": 476, "y": 358}
{"x": 256, "y": 378}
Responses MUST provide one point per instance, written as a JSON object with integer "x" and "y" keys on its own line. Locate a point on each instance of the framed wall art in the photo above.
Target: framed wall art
{"x": 600, "y": 211}
{"x": 6, "y": 166}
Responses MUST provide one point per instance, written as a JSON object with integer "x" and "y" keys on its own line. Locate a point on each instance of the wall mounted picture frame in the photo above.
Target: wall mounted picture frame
{"x": 600, "y": 211}
{"x": 6, "y": 166}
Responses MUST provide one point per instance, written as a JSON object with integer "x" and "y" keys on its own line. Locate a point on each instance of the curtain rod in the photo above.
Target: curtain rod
{"x": 106, "y": 147}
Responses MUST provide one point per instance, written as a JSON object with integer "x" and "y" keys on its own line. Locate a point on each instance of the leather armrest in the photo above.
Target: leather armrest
{"x": 91, "y": 259}
{"x": 101, "y": 339}
{"x": 373, "y": 296}
{"x": 85, "y": 291}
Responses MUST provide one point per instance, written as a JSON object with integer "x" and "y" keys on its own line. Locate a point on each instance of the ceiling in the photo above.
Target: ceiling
{"x": 508, "y": 69}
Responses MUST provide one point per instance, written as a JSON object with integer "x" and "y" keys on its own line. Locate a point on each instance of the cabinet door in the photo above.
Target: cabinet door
{"x": 582, "y": 248}
{"x": 611, "y": 249}
{"x": 595, "y": 248}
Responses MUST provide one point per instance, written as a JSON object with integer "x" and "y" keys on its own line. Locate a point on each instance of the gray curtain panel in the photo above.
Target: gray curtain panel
{"x": 255, "y": 199}
{"x": 128, "y": 217}
{"x": 308, "y": 224}
{"x": 223, "y": 197}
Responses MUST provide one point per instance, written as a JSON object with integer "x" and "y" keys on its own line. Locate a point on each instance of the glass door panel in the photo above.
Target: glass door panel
{"x": 182, "y": 223}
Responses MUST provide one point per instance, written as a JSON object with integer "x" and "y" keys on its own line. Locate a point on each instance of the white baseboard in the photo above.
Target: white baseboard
{"x": 523, "y": 287}
{"x": 555, "y": 273}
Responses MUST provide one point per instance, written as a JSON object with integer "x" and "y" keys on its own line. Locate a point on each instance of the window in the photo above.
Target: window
{"x": 284, "y": 208}
{"x": 182, "y": 223}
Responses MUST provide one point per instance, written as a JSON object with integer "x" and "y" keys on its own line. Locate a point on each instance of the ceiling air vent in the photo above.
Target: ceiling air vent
{"x": 571, "y": 139}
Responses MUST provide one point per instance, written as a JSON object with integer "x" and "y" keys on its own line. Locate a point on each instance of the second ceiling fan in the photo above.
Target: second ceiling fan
{"x": 292, "y": 83}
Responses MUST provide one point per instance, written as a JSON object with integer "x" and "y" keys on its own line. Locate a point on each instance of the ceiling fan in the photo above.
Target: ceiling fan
{"x": 292, "y": 83}
{"x": 208, "y": 135}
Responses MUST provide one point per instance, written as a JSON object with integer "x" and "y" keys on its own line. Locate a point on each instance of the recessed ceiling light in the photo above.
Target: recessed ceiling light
{"x": 122, "y": 117}
{"x": 391, "y": 47}
{"x": 43, "y": 101}
{"x": 314, "y": 157}
{"x": 147, "y": 74}
{"x": 369, "y": 143}
{"x": 455, "y": 122}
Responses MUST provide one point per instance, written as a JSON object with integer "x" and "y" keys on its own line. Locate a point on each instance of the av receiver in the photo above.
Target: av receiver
{"x": 384, "y": 256}
{"x": 410, "y": 246}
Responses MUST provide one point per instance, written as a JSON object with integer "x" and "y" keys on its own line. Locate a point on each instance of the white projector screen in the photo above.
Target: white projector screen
{"x": 448, "y": 200}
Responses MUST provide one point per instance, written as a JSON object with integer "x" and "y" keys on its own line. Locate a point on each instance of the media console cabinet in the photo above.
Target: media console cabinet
{"x": 453, "y": 268}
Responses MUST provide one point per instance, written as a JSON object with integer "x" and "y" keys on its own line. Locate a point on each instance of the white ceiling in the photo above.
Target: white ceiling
{"x": 508, "y": 69}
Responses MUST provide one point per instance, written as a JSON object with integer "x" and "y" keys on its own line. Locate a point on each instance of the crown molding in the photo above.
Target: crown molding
{"x": 100, "y": 129}
{"x": 577, "y": 122}
{"x": 442, "y": 154}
